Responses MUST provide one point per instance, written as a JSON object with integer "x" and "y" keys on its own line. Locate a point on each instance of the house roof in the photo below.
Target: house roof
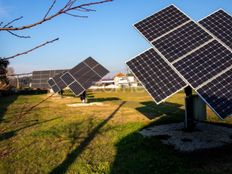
{"x": 120, "y": 75}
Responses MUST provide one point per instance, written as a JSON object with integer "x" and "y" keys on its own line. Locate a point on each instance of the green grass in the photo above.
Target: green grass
{"x": 55, "y": 138}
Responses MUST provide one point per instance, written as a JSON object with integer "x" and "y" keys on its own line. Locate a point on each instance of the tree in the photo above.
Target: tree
{"x": 70, "y": 8}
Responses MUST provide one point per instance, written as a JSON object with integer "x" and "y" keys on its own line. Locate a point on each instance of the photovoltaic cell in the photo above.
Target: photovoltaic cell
{"x": 218, "y": 94}
{"x": 181, "y": 41}
{"x": 157, "y": 77}
{"x": 204, "y": 63}
{"x": 220, "y": 25}
{"x": 161, "y": 22}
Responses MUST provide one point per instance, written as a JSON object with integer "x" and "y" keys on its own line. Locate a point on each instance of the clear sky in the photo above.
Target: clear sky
{"x": 107, "y": 35}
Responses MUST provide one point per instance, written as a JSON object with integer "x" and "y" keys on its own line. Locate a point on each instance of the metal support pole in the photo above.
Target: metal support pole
{"x": 189, "y": 114}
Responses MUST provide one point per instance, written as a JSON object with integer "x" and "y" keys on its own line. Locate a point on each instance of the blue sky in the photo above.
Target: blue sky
{"x": 107, "y": 35}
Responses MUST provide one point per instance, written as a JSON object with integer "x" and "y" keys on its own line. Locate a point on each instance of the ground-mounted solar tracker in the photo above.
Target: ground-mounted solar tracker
{"x": 193, "y": 52}
{"x": 79, "y": 78}
{"x": 220, "y": 25}
{"x": 157, "y": 77}
{"x": 40, "y": 78}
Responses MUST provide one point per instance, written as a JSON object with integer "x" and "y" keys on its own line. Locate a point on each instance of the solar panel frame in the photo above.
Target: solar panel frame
{"x": 149, "y": 41}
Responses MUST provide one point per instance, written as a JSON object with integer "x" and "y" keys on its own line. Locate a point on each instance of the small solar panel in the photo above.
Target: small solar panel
{"x": 218, "y": 94}
{"x": 220, "y": 25}
{"x": 161, "y": 22}
{"x": 100, "y": 70}
{"x": 59, "y": 82}
{"x": 55, "y": 88}
{"x": 181, "y": 41}
{"x": 51, "y": 82}
{"x": 76, "y": 88}
{"x": 157, "y": 77}
{"x": 204, "y": 63}
{"x": 90, "y": 62}
{"x": 67, "y": 78}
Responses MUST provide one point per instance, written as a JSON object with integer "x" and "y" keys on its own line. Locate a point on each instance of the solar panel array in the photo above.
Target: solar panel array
{"x": 193, "y": 53}
{"x": 79, "y": 78}
{"x": 40, "y": 78}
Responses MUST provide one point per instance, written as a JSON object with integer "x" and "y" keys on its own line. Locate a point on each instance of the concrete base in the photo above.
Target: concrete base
{"x": 204, "y": 136}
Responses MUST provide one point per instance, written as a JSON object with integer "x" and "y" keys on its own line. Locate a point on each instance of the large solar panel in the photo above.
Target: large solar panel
{"x": 218, "y": 94}
{"x": 204, "y": 63}
{"x": 40, "y": 78}
{"x": 181, "y": 41}
{"x": 160, "y": 23}
{"x": 220, "y": 25}
{"x": 81, "y": 77}
{"x": 192, "y": 52}
{"x": 157, "y": 77}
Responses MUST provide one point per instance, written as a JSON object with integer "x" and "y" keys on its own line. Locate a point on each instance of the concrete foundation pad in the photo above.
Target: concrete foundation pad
{"x": 205, "y": 136}
{"x": 85, "y": 104}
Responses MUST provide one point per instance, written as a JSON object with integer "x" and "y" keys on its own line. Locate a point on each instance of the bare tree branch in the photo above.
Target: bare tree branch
{"x": 28, "y": 51}
{"x": 20, "y": 36}
{"x": 49, "y": 10}
{"x": 74, "y": 15}
{"x": 69, "y": 6}
{"x": 11, "y": 22}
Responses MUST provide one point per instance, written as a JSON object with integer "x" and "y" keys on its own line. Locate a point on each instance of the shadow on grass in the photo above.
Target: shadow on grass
{"x": 10, "y": 134}
{"x": 73, "y": 155}
{"x": 152, "y": 110}
{"x": 103, "y": 99}
{"x": 142, "y": 155}
{"x": 4, "y": 103}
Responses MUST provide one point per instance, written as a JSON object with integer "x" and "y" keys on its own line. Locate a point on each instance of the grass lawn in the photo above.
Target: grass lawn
{"x": 55, "y": 138}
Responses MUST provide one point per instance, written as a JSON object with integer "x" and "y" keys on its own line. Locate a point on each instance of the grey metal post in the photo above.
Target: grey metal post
{"x": 189, "y": 114}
